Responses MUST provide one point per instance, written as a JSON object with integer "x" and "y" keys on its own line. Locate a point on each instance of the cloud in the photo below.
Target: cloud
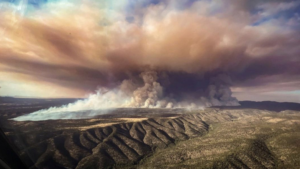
{"x": 86, "y": 45}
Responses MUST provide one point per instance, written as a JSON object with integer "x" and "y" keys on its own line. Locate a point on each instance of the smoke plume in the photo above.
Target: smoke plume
{"x": 149, "y": 55}
{"x": 143, "y": 91}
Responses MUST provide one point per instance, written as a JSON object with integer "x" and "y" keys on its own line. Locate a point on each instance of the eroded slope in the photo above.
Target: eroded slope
{"x": 212, "y": 138}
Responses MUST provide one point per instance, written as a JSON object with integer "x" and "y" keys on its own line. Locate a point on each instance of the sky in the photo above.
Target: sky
{"x": 70, "y": 49}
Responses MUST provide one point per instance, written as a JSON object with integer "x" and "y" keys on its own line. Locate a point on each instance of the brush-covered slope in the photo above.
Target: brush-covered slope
{"x": 211, "y": 138}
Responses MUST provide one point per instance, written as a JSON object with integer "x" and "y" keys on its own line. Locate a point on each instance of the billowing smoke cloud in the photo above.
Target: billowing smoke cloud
{"x": 149, "y": 94}
{"x": 168, "y": 54}
{"x": 146, "y": 93}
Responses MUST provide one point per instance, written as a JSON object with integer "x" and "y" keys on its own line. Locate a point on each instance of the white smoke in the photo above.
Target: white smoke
{"x": 99, "y": 103}
{"x": 148, "y": 95}
{"x": 131, "y": 95}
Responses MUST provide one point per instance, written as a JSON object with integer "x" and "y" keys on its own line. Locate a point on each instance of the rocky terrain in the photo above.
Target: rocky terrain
{"x": 160, "y": 138}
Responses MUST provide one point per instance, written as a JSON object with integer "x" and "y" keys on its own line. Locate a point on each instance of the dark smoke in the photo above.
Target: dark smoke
{"x": 152, "y": 89}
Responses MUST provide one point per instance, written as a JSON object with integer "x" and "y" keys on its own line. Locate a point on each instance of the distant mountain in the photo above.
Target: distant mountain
{"x": 264, "y": 105}
{"x": 7, "y": 99}
{"x": 270, "y": 105}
